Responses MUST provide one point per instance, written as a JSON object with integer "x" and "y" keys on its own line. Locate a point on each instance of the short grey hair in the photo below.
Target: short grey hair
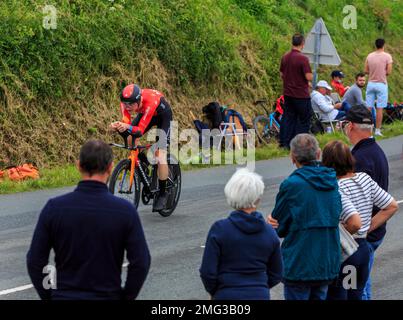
{"x": 244, "y": 189}
{"x": 365, "y": 126}
{"x": 304, "y": 147}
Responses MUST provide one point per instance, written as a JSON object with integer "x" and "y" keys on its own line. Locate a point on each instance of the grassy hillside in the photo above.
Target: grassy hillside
{"x": 60, "y": 87}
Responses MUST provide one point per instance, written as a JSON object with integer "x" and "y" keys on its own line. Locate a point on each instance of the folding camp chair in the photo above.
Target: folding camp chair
{"x": 228, "y": 129}
{"x": 318, "y": 116}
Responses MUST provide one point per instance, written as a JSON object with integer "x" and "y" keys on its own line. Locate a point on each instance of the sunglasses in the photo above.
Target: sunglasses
{"x": 344, "y": 124}
{"x": 128, "y": 104}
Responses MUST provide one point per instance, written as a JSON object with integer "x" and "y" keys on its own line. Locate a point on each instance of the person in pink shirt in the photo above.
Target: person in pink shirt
{"x": 378, "y": 66}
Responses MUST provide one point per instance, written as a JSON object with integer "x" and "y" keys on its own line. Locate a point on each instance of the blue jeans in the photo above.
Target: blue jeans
{"x": 360, "y": 261}
{"x": 301, "y": 291}
{"x": 345, "y": 106}
{"x": 367, "y": 290}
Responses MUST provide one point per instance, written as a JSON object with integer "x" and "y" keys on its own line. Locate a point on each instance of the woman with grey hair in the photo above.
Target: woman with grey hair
{"x": 242, "y": 258}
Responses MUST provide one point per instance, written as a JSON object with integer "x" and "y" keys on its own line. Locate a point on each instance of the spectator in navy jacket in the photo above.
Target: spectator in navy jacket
{"x": 242, "y": 258}
{"x": 89, "y": 230}
{"x": 369, "y": 158}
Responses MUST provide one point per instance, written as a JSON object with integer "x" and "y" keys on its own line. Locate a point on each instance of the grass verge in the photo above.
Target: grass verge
{"x": 63, "y": 176}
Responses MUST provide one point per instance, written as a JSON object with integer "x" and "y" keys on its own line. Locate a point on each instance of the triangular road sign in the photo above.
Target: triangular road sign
{"x": 319, "y": 44}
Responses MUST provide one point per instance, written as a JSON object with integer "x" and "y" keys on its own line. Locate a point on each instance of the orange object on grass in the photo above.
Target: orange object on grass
{"x": 18, "y": 173}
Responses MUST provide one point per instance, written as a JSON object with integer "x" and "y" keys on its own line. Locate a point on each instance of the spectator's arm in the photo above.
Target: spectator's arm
{"x": 275, "y": 265}
{"x": 366, "y": 68}
{"x": 383, "y": 215}
{"x": 359, "y": 99}
{"x": 138, "y": 256}
{"x": 349, "y": 215}
{"x": 281, "y": 211}
{"x": 309, "y": 76}
{"x": 210, "y": 261}
{"x": 353, "y": 223}
{"x": 389, "y": 69}
{"x": 38, "y": 254}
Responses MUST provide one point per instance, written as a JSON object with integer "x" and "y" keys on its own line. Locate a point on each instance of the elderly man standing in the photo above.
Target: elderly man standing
{"x": 306, "y": 215}
{"x": 89, "y": 230}
{"x": 296, "y": 74}
{"x": 369, "y": 158}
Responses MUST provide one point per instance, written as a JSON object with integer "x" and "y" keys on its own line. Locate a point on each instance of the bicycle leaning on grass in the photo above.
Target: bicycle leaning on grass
{"x": 267, "y": 126}
{"x": 136, "y": 177}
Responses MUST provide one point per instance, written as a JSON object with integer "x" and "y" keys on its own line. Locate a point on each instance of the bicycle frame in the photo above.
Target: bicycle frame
{"x": 274, "y": 121}
{"x": 134, "y": 159}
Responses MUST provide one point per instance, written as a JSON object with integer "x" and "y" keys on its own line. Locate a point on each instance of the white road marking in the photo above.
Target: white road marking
{"x": 22, "y": 288}
{"x": 30, "y": 286}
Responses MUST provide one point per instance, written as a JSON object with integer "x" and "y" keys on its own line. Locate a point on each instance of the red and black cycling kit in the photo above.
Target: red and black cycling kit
{"x": 154, "y": 111}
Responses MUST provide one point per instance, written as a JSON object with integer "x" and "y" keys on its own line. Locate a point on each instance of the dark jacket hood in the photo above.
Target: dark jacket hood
{"x": 248, "y": 223}
{"x": 318, "y": 176}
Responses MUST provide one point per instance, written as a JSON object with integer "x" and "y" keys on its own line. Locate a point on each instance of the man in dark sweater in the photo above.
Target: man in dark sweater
{"x": 370, "y": 159}
{"x": 296, "y": 74}
{"x": 89, "y": 230}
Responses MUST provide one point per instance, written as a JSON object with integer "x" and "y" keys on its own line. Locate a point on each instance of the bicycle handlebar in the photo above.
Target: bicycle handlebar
{"x": 147, "y": 146}
{"x": 260, "y": 101}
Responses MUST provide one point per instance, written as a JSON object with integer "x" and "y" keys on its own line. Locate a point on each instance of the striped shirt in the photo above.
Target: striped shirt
{"x": 358, "y": 195}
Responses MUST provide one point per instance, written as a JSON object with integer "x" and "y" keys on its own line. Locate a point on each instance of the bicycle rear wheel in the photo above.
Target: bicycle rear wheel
{"x": 119, "y": 183}
{"x": 264, "y": 132}
{"x": 174, "y": 185}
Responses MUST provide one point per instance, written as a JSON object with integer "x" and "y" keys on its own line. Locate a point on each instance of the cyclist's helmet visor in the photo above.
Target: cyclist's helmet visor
{"x": 131, "y": 94}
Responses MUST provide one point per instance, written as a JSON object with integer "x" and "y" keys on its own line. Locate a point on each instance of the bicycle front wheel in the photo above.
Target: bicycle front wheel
{"x": 119, "y": 183}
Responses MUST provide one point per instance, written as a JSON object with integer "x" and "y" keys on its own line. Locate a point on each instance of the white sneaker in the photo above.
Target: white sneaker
{"x": 378, "y": 132}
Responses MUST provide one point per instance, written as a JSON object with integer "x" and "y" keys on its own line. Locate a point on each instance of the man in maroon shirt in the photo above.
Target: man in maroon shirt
{"x": 296, "y": 74}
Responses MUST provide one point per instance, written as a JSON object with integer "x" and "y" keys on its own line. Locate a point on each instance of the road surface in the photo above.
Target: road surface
{"x": 176, "y": 243}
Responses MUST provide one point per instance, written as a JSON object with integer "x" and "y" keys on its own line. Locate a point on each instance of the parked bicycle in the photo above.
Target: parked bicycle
{"x": 267, "y": 126}
{"x": 136, "y": 177}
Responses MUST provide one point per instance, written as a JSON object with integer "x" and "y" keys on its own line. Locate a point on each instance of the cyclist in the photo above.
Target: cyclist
{"x": 152, "y": 110}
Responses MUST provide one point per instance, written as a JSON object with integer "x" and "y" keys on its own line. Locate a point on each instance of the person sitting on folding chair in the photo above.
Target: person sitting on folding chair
{"x": 323, "y": 104}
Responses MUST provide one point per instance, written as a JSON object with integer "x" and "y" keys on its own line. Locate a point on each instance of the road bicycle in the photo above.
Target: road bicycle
{"x": 135, "y": 177}
{"x": 267, "y": 127}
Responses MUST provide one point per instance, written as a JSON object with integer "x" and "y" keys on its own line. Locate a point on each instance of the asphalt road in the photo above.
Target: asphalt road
{"x": 176, "y": 243}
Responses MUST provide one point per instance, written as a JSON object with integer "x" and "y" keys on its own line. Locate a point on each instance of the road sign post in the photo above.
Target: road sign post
{"x": 319, "y": 48}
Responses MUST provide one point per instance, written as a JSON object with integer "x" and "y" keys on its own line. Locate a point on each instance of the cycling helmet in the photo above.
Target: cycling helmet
{"x": 131, "y": 93}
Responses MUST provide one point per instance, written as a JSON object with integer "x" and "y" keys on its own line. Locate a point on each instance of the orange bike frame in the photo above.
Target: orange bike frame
{"x": 133, "y": 160}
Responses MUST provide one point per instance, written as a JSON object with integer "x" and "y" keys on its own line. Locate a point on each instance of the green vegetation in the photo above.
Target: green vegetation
{"x": 60, "y": 87}
{"x": 68, "y": 175}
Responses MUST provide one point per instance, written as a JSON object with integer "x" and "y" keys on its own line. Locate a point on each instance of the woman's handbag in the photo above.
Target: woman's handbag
{"x": 347, "y": 242}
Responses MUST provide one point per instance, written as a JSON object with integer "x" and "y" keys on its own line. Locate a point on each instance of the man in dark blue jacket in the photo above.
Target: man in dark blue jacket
{"x": 89, "y": 230}
{"x": 306, "y": 215}
{"x": 369, "y": 158}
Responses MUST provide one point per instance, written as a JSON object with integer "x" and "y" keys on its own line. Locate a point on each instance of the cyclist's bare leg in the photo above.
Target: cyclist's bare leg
{"x": 161, "y": 156}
